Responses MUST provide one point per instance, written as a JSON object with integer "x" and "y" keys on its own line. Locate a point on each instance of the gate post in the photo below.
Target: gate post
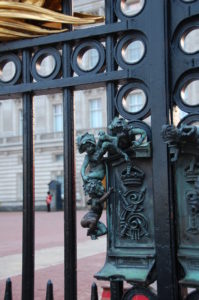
{"x": 163, "y": 202}
{"x": 28, "y": 188}
{"x": 70, "y": 252}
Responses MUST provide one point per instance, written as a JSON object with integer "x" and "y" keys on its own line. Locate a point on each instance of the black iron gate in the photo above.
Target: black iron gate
{"x": 162, "y": 73}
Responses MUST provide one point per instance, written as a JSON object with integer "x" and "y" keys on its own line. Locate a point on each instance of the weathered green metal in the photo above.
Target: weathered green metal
{"x": 131, "y": 252}
{"x": 184, "y": 145}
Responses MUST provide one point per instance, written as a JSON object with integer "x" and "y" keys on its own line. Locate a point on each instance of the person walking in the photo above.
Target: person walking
{"x": 48, "y": 201}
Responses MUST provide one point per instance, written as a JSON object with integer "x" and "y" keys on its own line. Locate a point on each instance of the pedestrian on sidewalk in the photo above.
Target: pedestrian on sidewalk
{"x": 48, "y": 201}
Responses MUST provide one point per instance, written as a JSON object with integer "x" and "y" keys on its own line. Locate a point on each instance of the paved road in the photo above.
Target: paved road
{"x": 49, "y": 238}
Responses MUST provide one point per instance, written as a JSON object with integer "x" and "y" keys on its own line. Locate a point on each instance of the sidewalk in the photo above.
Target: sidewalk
{"x": 49, "y": 241}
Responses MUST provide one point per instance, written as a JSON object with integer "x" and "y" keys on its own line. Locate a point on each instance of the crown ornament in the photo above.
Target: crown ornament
{"x": 132, "y": 176}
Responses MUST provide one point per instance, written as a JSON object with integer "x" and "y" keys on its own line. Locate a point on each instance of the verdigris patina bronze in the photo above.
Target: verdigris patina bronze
{"x": 180, "y": 139}
{"x": 127, "y": 167}
{"x": 183, "y": 142}
{"x": 122, "y": 137}
{"x": 93, "y": 178}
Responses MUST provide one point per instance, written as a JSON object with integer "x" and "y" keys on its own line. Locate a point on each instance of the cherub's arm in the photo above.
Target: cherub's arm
{"x": 83, "y": 168}
{"x": 110, "y": 146}
{"x": 104, "y": 137}
{"x": 138, "y": 131}
{"x": 105, "y": 196}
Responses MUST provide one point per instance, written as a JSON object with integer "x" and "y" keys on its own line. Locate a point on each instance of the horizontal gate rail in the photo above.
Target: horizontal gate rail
{"x": 78, "y": 83}
{"x": 153, "y": 76}
{"x": 98, "y": 32}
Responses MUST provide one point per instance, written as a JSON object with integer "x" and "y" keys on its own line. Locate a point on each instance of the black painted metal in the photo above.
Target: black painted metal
{"x": 110, "y": 61}
{"x": 8, "y": 290}
{"x": 94, "y": 292}
{"x": 120, "y": 96}
{"x": 28, "y": 188}
{"x": 39, "y": 55}
{"x": 111, "y": 88}
{"x": 161, "y": 73}
{"x": 79, "y": 51}
{"x": 116, "y": 290}
{"x": 49, "y": 290}
{"x": 14, "y": 59}
{"x": 193, "y": 296}
{"x": 70, "y": 260}
{"x": 166, "y": 274}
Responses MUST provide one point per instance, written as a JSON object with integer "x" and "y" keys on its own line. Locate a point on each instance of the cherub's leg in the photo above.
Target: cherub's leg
{"x": 111, "y": 147}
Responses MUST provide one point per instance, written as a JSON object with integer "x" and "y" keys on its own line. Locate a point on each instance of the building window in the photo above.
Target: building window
{"x": 135, "y": 102}
{"x": 59, "y": 157}
{"x": 95, "y": 113}
{"x": 20, "y": 122}
{"x": 57, "y": 117}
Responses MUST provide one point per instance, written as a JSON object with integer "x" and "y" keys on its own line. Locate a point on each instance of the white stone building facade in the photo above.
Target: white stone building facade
{"x": 90, "y": 115}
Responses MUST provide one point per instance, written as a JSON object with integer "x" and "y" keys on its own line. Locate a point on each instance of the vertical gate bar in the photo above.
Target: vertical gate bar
{"x": 116, "y": 290}
{"x": 49, "y": 290}
{"x": 165, "y": 251}
{"x": 110, "y": 17}
{"x": 8, "y": 290}
{"x": 28, "y": 189}
{"x": 70, "y": 248}
{"x": 94, "y": 292}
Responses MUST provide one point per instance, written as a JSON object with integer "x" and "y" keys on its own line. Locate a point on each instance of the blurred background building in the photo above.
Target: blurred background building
{"x": 90, "y": 115}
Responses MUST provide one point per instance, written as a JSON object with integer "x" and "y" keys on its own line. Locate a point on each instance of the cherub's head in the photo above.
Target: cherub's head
{"x": 170, "y": 133}
{"x": 94, "y": 188}
{"x": 117, "y": 125}
{"x": 86, "y": 143}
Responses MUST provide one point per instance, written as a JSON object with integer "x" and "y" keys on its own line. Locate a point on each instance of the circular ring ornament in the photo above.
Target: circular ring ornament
{"x": 42, "y": 55}
{"x": 125, "y": 11}
{"x": 144, "y": 293}
{"x": 180, "y": 92}
{"x": 122, "y": 95}
{"x": 193, "y": 296}
{"x": 81, "y": 50}
{"x": 14, "y": 59}
{"x": 188, "y": 120}
{"x": 144, "y": 126}
{"x": 188, "y": 1}
{"x": 122, "y": 47}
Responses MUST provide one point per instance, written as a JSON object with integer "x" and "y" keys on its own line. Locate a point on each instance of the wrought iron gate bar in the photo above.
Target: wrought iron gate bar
{"x": 28, "y": 188}
{"x": 141, "y": 234}
{"x": 70, "y": 244}
{"x": 110, "y": 62}
{"x": 166, "y": 280}
{"x": 111, "y": 90}
{"x": 79, "y": 83}
{"x": 8, "y": 290}
{"x": 99, "y": 32}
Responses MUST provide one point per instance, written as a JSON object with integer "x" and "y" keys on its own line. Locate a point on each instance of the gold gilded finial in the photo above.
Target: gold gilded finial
{"x": 15, "y": 14}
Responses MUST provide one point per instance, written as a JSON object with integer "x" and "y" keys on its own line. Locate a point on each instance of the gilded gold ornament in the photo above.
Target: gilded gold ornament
{"x": 44, "y": 14}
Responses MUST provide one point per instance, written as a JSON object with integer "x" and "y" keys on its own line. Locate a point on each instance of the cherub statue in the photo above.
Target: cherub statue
{"x": 94, "y": 155}
{"x": 178, "y": 137}
{"x": 95, "y": 189}
{"x": 93, "y": 172}
{"x": 123, "y": 135}
{"x": 93, "y": 169}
